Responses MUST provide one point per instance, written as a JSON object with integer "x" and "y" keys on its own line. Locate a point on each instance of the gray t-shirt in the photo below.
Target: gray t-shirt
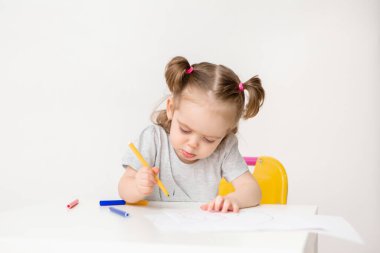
{"x": 186, "y": 182}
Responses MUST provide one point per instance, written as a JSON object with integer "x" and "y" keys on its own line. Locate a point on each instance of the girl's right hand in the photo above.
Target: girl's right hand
{"x": 145, "y": 180}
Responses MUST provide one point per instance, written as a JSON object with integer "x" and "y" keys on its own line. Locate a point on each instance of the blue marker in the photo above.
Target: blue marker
{"x": 119, "y": 212}
{"x": 111, "y": 202}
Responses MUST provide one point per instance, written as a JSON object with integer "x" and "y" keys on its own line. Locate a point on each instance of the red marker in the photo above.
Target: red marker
{"x": 72, "y": 204}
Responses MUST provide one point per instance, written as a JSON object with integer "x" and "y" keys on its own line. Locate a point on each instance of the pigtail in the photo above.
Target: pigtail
{"x": 161, "y": 118}
{"x": 175, "y": 73}
{"x": 176, "y": 78}
{"x": 256, "y": 95}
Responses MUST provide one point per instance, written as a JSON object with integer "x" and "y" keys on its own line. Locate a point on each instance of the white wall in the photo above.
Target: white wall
{"x": 79, "y": 79}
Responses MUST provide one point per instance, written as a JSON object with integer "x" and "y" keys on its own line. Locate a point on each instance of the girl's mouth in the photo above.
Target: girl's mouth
{"x": 187, "y": 154}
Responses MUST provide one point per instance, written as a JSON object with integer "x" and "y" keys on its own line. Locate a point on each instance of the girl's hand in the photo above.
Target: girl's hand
{"x": 221, "y": 204}
{"x": 145, "y": 180}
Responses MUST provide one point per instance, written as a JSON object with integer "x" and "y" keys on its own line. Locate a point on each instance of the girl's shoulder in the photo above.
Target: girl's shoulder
{"x": 153, "y": 129}
{"x": 229, "y": 142}
{"x": 154, "y": 133}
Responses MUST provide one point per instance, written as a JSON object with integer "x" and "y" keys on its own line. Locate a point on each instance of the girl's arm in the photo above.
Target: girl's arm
{"x": 247, "y": 194}
{"x": 136, "y": 185}
{"x": 247, "y": 191}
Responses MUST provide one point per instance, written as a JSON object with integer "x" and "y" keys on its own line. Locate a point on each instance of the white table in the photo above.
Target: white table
{"x": 90, "y": 228}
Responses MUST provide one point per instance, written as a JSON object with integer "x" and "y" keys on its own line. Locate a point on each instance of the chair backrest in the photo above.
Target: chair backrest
{"x": 271, "y": 177}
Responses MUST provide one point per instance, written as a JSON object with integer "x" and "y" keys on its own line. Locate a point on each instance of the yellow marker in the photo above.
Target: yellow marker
{"x": 145, "y": 164}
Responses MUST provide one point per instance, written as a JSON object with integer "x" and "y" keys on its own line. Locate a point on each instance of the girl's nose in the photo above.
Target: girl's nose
{"x": 193, "y": 141}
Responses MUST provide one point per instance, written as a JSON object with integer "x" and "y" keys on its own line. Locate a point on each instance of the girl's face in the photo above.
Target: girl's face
{"x": 199, "y": 124}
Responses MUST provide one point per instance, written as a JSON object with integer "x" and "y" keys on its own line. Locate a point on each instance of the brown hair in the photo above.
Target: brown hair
{"x": 220, "y": 80}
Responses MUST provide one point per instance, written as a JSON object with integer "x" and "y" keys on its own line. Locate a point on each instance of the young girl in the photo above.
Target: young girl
{"x": 192, "y": 144}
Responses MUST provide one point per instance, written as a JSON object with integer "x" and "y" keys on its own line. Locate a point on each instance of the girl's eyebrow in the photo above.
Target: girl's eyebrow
{"x": 184, "y": 125}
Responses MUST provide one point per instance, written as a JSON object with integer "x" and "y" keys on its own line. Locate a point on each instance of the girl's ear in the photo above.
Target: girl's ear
{"x": 170, "y": 108}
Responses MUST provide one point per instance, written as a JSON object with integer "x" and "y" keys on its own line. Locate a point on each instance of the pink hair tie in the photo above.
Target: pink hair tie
{"x": 241, "y": 87}
{"x": 189, "y": 70}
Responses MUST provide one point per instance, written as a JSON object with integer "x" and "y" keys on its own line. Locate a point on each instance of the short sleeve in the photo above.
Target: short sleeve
{"x": 233, "y": 164}
{"x": 147, "y": 145}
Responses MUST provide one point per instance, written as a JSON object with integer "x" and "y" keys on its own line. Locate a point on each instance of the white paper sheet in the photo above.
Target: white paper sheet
{"x": 191, "y": 220}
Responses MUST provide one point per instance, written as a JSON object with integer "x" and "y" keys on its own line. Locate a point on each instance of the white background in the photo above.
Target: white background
{"x": 79, "y": 79}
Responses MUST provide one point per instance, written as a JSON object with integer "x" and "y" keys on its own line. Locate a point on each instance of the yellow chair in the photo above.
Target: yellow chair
{"x": 271, "y": 176}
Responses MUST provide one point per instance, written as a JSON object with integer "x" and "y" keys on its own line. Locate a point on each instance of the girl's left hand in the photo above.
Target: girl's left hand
{"x": 221, "y": 204}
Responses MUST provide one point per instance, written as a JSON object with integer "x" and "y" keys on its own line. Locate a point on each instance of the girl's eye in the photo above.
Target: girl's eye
{"x": 209, "y": 141}
{"x": 184, "y": 131}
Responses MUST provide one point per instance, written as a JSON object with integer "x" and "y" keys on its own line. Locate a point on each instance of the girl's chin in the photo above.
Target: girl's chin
{"x": 188, "y": 161}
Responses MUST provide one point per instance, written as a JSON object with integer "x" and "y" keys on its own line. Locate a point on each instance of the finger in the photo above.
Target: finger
{"x": 147, "y": 183}
{"x": 218, "y": 203}
{"x": 226, "y": 206}
{"x": 211, "y": 206}
{"x": 149, "y": 175}
{"x": 235, "y": 208}
{"x": 204, "y": 207}
{"x": 141, "y": 173}
{"x": 152, "y": 179}
{"x": 155, "y": 170}
{"x": 146, "y": 190}
{"x": 145, "y": 169}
